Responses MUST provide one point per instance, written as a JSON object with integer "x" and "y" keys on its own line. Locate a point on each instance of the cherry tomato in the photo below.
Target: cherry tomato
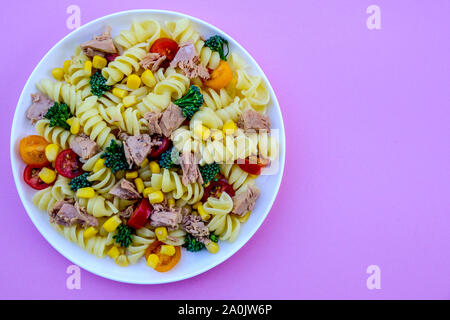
{"x": 165, "y": 47}
{"x": 140, "y": 216}
{"x": 165, "y": 143}
{"x": 31, "y": 177}
{"x": 220, "y": 77}
{"x": 111, "y": 56}
{"x": 32, "y": 150}
{"x": 215, "y": 188}
{"x": 68, "y": 164}
{"x": 165, "y": 262}
{"x": 253, "y": 165}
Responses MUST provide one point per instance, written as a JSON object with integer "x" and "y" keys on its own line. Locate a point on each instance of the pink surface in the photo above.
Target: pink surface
{"x": 367, "y": 176}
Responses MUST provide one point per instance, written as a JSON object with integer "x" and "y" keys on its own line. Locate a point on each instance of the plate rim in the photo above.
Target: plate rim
{"x": 249, "y": 235}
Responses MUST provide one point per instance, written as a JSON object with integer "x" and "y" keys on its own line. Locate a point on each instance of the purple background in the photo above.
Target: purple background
{"x": 367, "y": 175}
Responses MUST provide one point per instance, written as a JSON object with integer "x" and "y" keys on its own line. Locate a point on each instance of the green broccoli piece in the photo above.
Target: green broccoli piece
{"x": 80, "y": 182}
{"x": 190, "y": 102}
{"x": 124, "y": 235}
{"x": 58, "y": 115}
{"x": 98, "y": 84}
{"x": 170, "y": 158}
{"x": 209, "y": 172}
{"x": 216, "y": 43}
{"x": 115, "y": 157}
{"x": 193, "y": 245}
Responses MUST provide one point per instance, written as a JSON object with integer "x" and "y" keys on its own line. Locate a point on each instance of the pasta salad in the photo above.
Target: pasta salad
{"x": 148, "y": 144}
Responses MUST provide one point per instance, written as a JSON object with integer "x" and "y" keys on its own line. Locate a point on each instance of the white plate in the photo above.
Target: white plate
{"x": 191, "y": 264}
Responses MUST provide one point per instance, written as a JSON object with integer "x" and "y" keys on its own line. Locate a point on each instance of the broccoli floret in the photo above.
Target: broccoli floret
{"x": 58, "y": 115}
{"x": 80, "y": 182}
{"x": 209, "y": 172}
{"x": 124, "y": 235}
{"x": 190, "y": 102}
{"x": 115, "y": 157}
{"x": 217, "y": 43}
{"x": 98, "y": 84}
{"x": 193, "y": 245}
{"x": 170, "y": 158}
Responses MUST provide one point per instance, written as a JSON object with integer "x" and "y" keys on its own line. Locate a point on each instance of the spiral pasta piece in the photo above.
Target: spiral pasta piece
{"x": 141, "y": 240}
{"x": 98, "y": 206}
{"x": 93, "y": 123}
{"x": 145, "y": 31}
{"x": 62, "y": 92}
{"x": 56, "y": 135}
{"x": 175, "y": 237}
{"x": 214, "y": 100}
{"x": 254, "y": 89}
{"x": 125, "y": 64}
{"x": 61, "y": 189}
{"x": 237, "y": 177}
{"x": 222, "y": 222}
{"x": 77, "y": 75}
{"x": 102, "y": 180}
{"x": 44, "y": 199}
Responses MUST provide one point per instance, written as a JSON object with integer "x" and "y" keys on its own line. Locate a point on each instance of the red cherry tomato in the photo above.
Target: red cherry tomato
{"x": 215, "y": 188}
{"x": 253, "y": 165}
{"x": 165, "y": 47}
{"x": 165, "y": 143}
{"x": 68, "y": 165}
{"x": 31, "y": 177}
{"x": 111, "y": 56}
{"x": 140, "y": 216}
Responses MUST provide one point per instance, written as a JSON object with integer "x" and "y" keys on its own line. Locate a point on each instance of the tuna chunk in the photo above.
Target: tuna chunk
{"x": 253, "y": 120}
{"x": 100, "y": 45}
{"x": 137, "y": 148}
{"x": 40, "y": 103}
{"x": 166, "y": 122}
{"x": 124, "y": 189}
{"x": 191, "y": 173}
{"x": 195, "y": 226}
{"x": 152, "y": 61}
{"x": 164, "y": 216}
{"x": 66, "y": 213}
{"x": 244, "y": 202}
{"x": 187, "y": 59}
{"x": 127, "y": 212}
{"x": 84, "y": 147}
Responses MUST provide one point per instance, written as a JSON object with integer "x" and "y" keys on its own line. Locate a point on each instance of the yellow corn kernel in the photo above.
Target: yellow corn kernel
{"x": 47, "y": 175}
{"x": 129, "y": 101}
{"x": 69, "y": 121}
{"x": 139, "y": 185}
{"x": 75, "y": 126}
{"x": 148, "y": 78}
{"x": 229, "y": 127}
{"x": 244, "y": 218}
{"x": 58, "y": 74}
{"x": 212, "y": 247}
{"x": 156, "y": 197}
{"x": 167, "y": 250}
{"x": 99, "y": 62}
{"x": 152, "y": 261}
{"x": 51, "y": 151}
{"x": 88, "y": 67}
{"x": 90, "y": 232}
{"x": 147, "y": 191}
{"x": 195, "y": 205}
{"x": 161, "y": 233}
{"x": 99, "y": 165}
{"x": 144, "y": 163}
{"x": 86, "y": 193}
{"x": 201, "y": 132}
{"x": 131, "y": 174}
{"x": 112, "y": 223}
{"x": 201, "y": 211}
{"x": 66, "y": 66}
{"x": 119, "y": 93}
{"x": 133, "y": 82}
{"x": 113, "y": 252}
{"x": 171, "y": 202}
{"x": 154, "y": 167}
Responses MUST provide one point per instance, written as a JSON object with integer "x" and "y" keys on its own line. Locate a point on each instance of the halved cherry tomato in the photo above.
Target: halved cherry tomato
{"x": 215, "y": 188}
{"x": 32, "y": 150}
{"x": 253, "y": 165}
{"x": 165, "y": 47}
{"x": 220, "y": 77}
{"x": 165, "y": 262}
{"x": 140, "y": 216}
{"x": 31, "y": 177}
{"x": 165, "y": 143}
{"x": 68, "y": 164}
